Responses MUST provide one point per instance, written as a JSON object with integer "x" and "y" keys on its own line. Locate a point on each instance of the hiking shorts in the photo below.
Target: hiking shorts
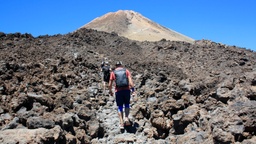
{"x": 123, "y": 97}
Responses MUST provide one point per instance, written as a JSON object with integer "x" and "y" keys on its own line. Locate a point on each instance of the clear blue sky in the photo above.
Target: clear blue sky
{"x": 231, "y": 22}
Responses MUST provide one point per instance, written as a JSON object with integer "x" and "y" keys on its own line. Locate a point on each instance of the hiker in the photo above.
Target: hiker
{"x": 123, "y": 88}
{"x": 106, "y": 73}
{"x": 103, "y": 62}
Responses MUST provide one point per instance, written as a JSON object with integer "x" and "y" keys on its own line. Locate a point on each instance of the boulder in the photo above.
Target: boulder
{"x": 39, "y": 122}
{"x": 40, "y": 135}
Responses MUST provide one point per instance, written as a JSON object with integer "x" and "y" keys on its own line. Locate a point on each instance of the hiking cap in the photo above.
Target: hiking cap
{"x": 118, "y": 63}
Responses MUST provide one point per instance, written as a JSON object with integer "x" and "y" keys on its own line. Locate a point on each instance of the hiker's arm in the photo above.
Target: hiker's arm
{"x": 130, "y": 82}
{"x": 110, "y": 87}
{"x": 131, "y": 85}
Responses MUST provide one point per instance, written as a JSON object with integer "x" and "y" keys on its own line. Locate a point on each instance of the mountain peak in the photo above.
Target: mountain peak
{"x": 134, "y": 26}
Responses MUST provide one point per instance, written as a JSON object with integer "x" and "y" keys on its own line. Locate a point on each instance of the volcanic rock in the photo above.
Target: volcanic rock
{"x": 51, "y": 90}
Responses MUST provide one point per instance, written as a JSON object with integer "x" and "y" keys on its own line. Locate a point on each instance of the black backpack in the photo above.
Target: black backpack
{"x": 121, "y": 78}
{"x": 106, "y": 71}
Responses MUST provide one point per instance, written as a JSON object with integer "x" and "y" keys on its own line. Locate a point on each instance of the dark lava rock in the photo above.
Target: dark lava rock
{"x": 51, "y": 90}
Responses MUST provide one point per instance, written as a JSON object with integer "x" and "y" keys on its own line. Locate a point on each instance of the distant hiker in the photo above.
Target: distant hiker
{"x": 106, "y": 74}
{"x": 123, "y": 84}
{"x": 103, "y": 62}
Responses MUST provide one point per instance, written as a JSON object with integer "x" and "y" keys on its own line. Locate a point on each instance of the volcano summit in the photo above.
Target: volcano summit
{"x": 134, "y": 26}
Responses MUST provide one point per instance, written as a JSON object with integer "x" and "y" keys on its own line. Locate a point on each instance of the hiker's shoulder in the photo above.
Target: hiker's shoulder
{"x": 119, "y": 68}
{"x": 122, "y": 68}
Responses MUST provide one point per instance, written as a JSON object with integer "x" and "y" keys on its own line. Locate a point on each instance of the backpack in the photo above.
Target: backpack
{"x": 106, "y": 72}
{"x": 121, "y": 78}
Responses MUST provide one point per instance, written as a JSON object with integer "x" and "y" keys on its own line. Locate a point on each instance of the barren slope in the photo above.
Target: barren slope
{"x": 51, "y": 90}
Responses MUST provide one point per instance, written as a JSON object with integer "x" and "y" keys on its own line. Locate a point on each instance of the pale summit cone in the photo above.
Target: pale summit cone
{"x": 134, "y": 26}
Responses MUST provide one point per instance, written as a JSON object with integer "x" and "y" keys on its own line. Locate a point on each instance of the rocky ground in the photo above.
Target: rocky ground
{"x": 51, "y": 90}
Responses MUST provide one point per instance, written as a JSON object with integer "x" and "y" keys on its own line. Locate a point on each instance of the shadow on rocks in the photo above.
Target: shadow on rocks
{"x": 132, "y": 128}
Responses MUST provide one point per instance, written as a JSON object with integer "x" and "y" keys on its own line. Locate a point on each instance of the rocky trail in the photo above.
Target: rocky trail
{"x": 51, "y": 90}
{"x": 108, "y": 117}
{"x": 110, "y": 121}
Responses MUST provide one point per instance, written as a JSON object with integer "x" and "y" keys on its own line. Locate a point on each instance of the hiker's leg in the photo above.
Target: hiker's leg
{"x": 119, "y": 102}
{"x": 127, "y": 110}
{"x": 127, "y": 97}
{"x": 104, "y": 87}
{"x": 126, "y": 118}
{"x": 120, "y": 114}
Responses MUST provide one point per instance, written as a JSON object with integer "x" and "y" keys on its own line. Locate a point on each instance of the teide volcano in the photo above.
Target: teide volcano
{"x": 134, "y": 26}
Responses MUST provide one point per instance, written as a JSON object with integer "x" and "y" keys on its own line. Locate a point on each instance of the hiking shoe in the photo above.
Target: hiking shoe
{"x": 127, "y": 122}
{"x": 121, "y": 126}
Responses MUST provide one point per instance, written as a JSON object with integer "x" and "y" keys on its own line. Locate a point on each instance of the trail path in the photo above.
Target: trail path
{"x": 109, "y": 120}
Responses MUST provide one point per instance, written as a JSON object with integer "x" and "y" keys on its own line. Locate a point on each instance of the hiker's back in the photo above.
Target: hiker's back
{"x": 106, "y": 72}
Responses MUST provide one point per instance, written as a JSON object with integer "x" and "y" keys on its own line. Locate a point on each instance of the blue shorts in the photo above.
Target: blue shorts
{"x": 123, "y": 97}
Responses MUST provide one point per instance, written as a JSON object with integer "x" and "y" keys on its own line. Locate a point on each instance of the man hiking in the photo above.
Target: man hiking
{"x": 123, "y": 86}
{"x": 106, "y": 74}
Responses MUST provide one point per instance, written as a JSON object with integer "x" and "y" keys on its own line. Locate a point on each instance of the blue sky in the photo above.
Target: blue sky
{"x": 230, "y": 22}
